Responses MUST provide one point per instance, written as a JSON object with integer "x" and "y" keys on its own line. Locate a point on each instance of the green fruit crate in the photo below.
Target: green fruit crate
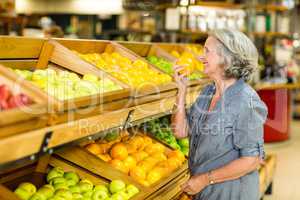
{"x": 17, "y": 110}
{"x": 162, "y": 51}
{"x": 40, "y": 56}
{"x": 39, "y": 174}
{"x": 83, "y": 158}
{"x": 100, "y": 46}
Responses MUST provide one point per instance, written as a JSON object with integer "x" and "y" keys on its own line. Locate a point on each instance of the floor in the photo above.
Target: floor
{"x": 287, "y": 177}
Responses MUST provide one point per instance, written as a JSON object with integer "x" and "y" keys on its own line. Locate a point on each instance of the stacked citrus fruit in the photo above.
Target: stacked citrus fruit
{"x": 140, "y": 157}
{"x": 134, "y": 73}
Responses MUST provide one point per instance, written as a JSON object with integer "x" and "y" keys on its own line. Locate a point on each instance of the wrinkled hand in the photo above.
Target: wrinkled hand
{"x": 195, "y": 184}
{"x": 180, "y": 79}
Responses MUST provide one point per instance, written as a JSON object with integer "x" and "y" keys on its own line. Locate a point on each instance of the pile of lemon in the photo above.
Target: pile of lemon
{"x": 134, "y": 73}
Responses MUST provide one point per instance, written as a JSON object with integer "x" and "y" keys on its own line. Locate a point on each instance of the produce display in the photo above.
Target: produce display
{"x": 68, "y": 186}
{"x": 8, "y": 100}
{"x": 67, "y": 85}
{"x": 161, "y": 130}
{"x": 192, "y": 67}
{"x": 134, "y": 73}
{"x": 140, "y": 157}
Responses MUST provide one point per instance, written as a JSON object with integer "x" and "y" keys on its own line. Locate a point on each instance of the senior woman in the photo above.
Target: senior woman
{"x": 225, "y": 124}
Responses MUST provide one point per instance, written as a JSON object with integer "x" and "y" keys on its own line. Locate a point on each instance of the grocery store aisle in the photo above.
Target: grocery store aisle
{"x": 287, "y": 175}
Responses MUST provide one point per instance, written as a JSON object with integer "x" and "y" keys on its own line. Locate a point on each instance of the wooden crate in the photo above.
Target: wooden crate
{"x": 24, "y": 113}
{"x": 161, "y": 50}
{"x": 48, "y": 51}
{"x": 96, "y": 46}
{"x": 36, "y": 174}
{"x": 81, "y": 157}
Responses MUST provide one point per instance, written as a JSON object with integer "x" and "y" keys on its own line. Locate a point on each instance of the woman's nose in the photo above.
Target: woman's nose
{"x": 201, "y": 58}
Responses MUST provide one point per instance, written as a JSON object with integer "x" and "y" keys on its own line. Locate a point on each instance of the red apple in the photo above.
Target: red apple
{"x": 3, "y": 105}
{"x": 25, "y": 99}
{"x": 5, "y": 93}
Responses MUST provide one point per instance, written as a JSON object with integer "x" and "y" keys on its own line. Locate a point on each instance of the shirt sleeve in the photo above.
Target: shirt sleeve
{"x": 248, "y": 134}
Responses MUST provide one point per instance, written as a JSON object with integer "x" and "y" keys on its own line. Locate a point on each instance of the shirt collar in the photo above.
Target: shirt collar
{"x": 231, "y": 91}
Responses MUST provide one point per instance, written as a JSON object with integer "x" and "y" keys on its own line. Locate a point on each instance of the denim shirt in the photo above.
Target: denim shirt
{"x": 233, "y": 129}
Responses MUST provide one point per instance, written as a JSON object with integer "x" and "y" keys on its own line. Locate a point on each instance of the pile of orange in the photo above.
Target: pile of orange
{"x": 142, "y": 158}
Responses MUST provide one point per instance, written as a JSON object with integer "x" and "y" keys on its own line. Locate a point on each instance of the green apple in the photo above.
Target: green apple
{"x": 116, "y": 186}
{"x": 117, "y": 196}
{"x": 86, "y": 87}
{"x": 100, "y": 194}
{"x": 64, "y": 193}
{"x": 60, "y": 186}
{"x": 88, "y": 194}
{"x": 131, "y": 190}
{"x": 183, "y": 142}
{"x": 46, "y": 190}
{"x": 39, "y": 74}
{"x": 56, "y": 198}
{"x": 101, "y": 187}
{"x": 85, "y": 186}
{"x": 77, "y": 196}
{"x": 29, "y": 187}
{"x": 75, "y": 189}
{"x": 72, "y": 178}
{"x": 22, "y": 194}
{"x": 55, "y": 172}
{"x": 57, "y": 180}
{"x": 90, "y": 77}
{"x": 124, "y": 194}
{"x": 185, "y": 150}
{"x": 38, "y": 196}
{"x": 26, "y": 74}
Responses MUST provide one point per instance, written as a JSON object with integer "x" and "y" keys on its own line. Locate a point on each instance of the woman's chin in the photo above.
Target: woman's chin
{"x": 207, "y": 73}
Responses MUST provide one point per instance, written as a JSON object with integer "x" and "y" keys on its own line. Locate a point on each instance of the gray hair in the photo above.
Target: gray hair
{"x": 239, "y": 53}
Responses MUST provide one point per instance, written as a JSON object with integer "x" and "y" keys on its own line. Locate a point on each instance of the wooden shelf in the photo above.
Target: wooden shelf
{"x": 30, "y": 143}
{"x": 271, "y": 34}
{"x": 272, "y": 7}
{"x": 219, "y": 4}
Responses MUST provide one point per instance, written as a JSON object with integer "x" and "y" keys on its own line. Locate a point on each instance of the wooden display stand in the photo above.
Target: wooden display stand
{"x": 34, "y": 136}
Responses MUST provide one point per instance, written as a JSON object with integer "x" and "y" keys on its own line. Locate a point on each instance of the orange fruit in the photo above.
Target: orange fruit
{"x": 173, "y": 163}
{"x": 119, "y": 165}
{"x": 104, "y": 157}
{"x": 119, "y": 151}
{"x": 144, "y": 183}
{"x": 140, "y": 155}
{"x": 151, "y": 161}
{"x": 137, "y": 173}
{"x": 138, "y": 142}
{"x": 177, "y": 154}
{"x": 163, "y": 164}
{"x": 129, "y": 162}
{"x": 130, "y": 148}
{"x": 155, "y": 148}
{"x": 147, "y": 140}
{"x": 159, "y": 156}
{"x": 146, "y": 166}
{"x": 153, "y": 176}
{"x": 93, "y": 148}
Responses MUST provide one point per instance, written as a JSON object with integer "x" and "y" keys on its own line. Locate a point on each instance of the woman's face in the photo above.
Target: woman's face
{"x": 211, "y": 59}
